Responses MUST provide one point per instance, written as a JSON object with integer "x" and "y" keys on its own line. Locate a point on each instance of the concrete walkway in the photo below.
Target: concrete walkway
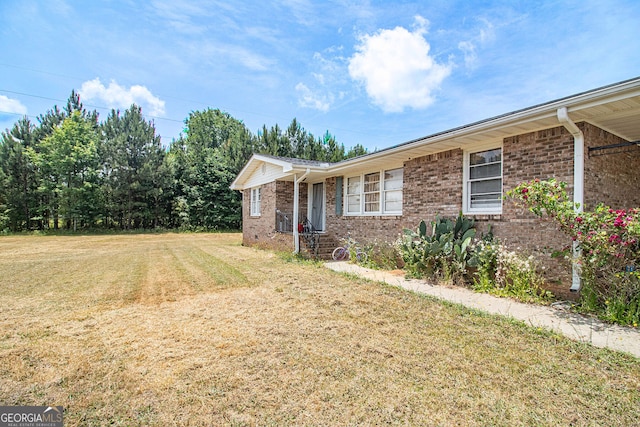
{"x": 574, "y": 326}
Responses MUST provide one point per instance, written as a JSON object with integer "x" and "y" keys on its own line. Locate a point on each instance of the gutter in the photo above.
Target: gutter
{"x": 578, "y": 186}
{"x": 296, "y": 207}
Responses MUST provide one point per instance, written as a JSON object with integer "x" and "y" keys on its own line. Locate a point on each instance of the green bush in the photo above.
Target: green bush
{"x": 505, "y": 273}
{"x": 382, "y": 256}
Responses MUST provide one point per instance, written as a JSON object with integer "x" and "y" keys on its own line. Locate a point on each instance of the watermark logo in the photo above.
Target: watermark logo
{"x": 31, "y": 416}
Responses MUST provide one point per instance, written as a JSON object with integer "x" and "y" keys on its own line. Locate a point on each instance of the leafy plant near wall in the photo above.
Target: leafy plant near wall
{"x": 382, "y": 255}
{"x": 502, "y": 272}
{"x": 609, "y": 243}
{"x": 444, "y": 253}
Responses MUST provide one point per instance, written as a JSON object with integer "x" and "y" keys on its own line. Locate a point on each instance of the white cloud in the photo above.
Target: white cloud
{"x": 13, "y": 106}
{"x": 486, "y": 35}
{"x": 470, "y": 55}
{"x": 327, "y": 81}
{"x": 396, "y": 68}
{"x": 117, "y": 96}
{"x": 311, "y": 99}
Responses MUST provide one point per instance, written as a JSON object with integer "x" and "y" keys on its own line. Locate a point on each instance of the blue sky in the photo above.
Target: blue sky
{"x": 370, "y": 72}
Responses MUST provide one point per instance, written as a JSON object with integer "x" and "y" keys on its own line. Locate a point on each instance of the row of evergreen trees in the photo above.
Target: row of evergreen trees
{"x": 69, "y": 170}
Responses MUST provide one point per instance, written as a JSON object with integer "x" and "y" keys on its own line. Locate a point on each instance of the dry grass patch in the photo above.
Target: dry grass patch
{"x": 198, "y": 330}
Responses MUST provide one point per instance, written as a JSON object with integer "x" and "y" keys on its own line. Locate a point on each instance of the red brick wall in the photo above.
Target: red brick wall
{"x": 284, "y": 198}
{"x": 260, "y": 230}
{"x": 432, "y": 186}
{"x": 543, "y": 154}
{"x": 612, "y": 176}
{"x": 362, "y": 228}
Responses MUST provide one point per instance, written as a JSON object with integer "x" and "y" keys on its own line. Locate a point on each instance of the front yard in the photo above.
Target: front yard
{"x": 194, "y": 329}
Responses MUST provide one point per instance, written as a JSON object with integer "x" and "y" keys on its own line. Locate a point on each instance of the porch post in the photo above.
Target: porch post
{"x": 296, "y": 208}
{"x": 296, "y": 235}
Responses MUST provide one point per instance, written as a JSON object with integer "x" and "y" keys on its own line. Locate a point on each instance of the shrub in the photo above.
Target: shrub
{"x": 383, "y": 256}
{"x": 609, "y": 244}
{"x": 506, "y": 273}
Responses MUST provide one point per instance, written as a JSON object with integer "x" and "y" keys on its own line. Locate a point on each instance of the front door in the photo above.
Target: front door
{"x": 317, "y": 206}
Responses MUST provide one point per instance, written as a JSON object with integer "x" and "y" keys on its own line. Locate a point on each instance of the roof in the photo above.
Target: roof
{"x": 296, "y": 161}
{"x": 614, "y": 108}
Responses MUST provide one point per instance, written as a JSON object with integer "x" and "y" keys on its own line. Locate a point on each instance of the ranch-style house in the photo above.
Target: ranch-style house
{"x": 589, "y": 140}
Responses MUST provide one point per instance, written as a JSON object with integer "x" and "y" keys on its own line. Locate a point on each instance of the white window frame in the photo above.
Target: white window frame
{"x": 356, "y": 196}
{"x": 256, "y": 198}
{"x": 360, "y": 196}
{"x": 466, "y": 190}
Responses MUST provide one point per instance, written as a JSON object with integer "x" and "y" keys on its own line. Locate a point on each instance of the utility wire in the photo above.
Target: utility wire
{"x": 85, "y": 105}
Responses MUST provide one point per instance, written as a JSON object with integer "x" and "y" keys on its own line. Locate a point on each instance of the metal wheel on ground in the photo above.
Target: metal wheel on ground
{"x": 340, "y": 254}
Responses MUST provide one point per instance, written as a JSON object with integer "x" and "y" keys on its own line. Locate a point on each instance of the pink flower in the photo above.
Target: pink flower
{"x": 579, "y": 219}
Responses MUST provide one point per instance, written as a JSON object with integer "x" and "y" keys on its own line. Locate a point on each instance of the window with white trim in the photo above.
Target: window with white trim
{"x": 374, "y": 193}
{"x": 256, "y": 194}
{"x": 392, "y": 195}
{"x": 483, "y": 189}
{"x": 353, "y": 195}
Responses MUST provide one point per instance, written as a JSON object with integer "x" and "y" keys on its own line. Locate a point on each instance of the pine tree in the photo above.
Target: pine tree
{"x": 18, "y": 183}
{"x": 135, "y": 175}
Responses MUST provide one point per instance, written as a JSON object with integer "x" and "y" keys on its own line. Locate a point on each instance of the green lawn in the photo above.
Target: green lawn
{"x": 194, "y": 329}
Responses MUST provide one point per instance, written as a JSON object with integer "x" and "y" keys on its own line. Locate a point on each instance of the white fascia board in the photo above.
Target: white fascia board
{"x": 251, "y": 166}
{"x": 286, "y": 166}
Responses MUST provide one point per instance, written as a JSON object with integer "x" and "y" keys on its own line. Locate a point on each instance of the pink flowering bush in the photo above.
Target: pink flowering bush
{"x": 609, "y": 240}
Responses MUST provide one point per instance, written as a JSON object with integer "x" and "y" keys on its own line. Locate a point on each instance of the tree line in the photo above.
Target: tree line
{"x": 69, "y": 170}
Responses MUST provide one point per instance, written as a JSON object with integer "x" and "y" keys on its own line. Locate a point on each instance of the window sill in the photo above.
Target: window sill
{"x": 373, "y": 215}
{"x": 470, "y": 213}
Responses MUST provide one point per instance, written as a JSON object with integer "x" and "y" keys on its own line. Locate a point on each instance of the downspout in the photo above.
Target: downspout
{"x": 578, "y": 185}
{"x": 296, "y": 207}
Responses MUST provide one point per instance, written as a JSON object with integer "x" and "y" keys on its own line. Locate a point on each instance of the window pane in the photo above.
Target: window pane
{"x": 372, "y": 202}
{"x": 353, "y": 204}
{"x": 486, "y": 201}
{"x": 489, "y": 186}
{"x": 393, "y": 201}
{"x": 483, "y": 157}
{"x": 393, "y": 179}
{"x": 372, "y": 182}
{"x": 485, "y": 171}
{"x": 353, "y": 186}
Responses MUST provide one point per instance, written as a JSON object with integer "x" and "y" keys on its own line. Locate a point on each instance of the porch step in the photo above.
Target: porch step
{"x": 327, "y": 243}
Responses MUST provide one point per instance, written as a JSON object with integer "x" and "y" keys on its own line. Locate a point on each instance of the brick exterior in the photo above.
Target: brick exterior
{"x": 261, "y": 230}
{"x": 362, "y": 228}
{"x": 612, "y": 176}
{"x": 433, "y": 185}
